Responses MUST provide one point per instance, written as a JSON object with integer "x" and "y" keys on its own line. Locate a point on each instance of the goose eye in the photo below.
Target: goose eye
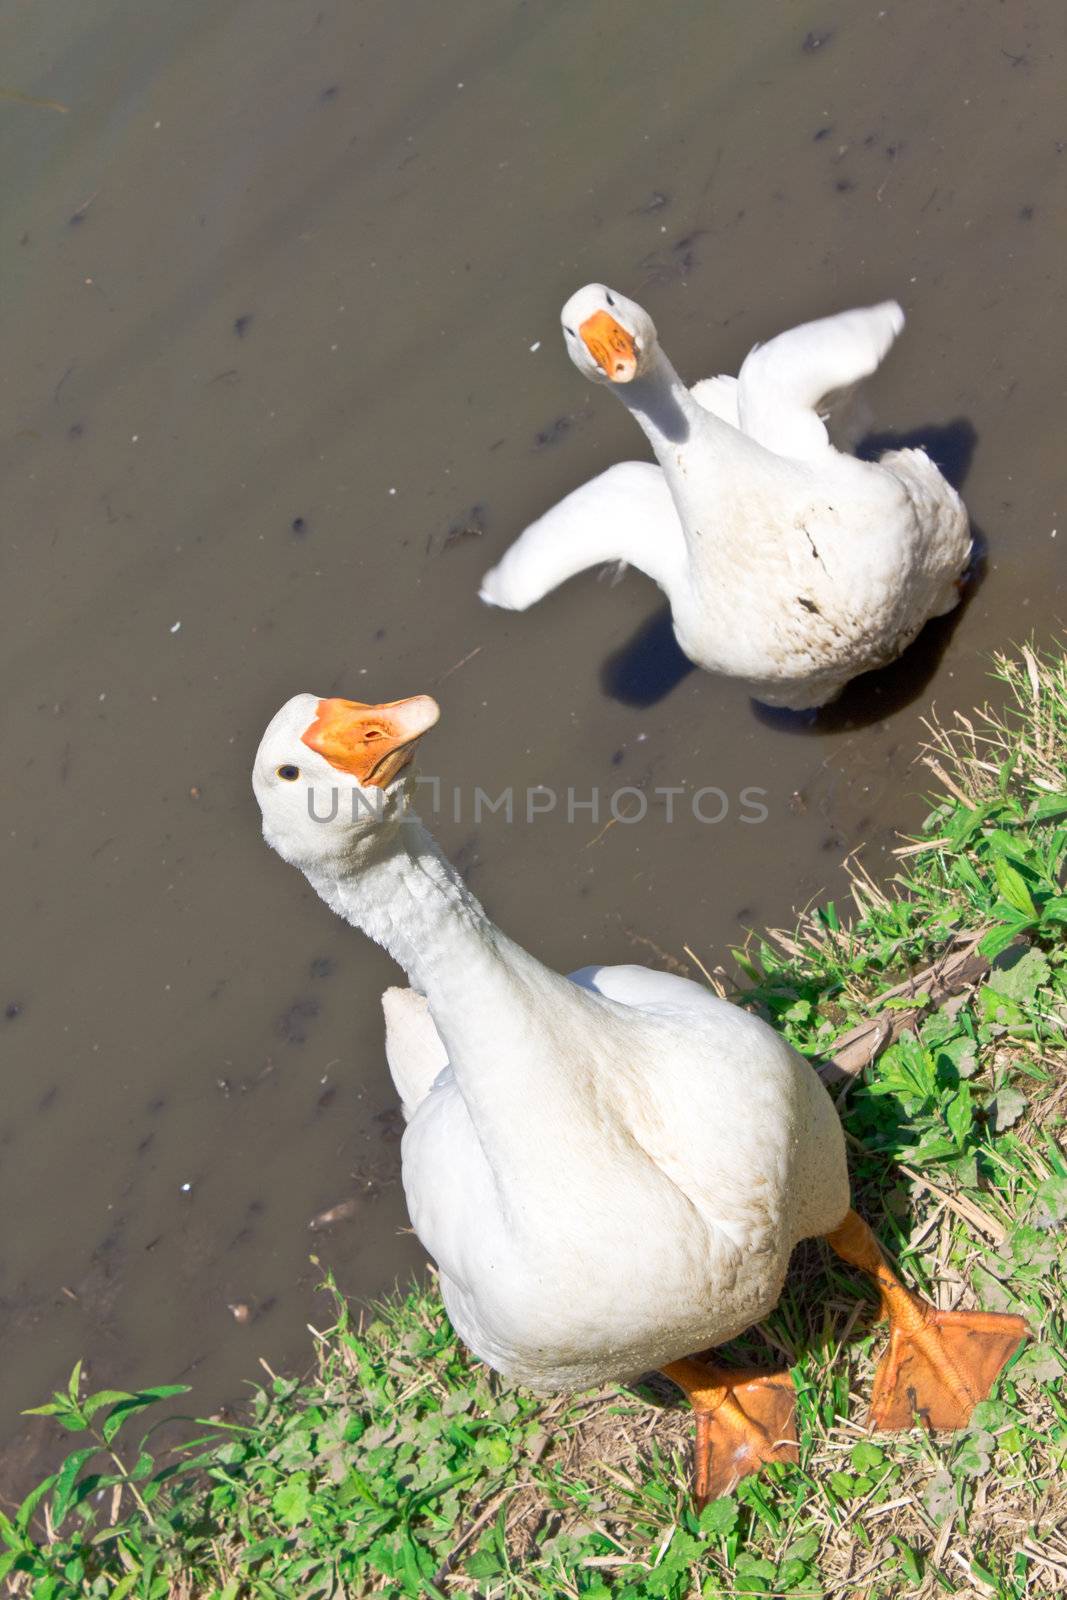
{"x": 569, "y": 330}
{"x": 609, "y": 297}
{"x": 289, "y": 773}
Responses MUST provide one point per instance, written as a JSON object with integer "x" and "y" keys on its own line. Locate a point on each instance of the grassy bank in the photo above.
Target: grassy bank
{"x": 401, "y": 1467}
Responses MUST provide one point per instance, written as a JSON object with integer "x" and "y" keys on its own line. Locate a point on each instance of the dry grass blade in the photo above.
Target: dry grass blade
{"x": 955, "y": 973}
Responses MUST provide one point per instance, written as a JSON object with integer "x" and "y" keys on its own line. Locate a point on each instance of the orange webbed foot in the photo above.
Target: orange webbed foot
{"x": 939, "y": 1363}
{"x": 743, "y": 1419}
{"x": 940, "y": 1370}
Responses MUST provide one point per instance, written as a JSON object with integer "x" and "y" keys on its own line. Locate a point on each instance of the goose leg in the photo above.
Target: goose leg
{"x": 939, "y": 1363}
{"x": 742, "y": 1420}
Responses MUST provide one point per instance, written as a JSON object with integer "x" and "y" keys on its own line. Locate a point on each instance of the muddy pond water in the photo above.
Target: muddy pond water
{"x": 281, "y": 378}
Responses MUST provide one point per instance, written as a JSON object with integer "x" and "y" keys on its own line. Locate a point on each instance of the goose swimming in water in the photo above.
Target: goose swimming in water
{"x": 787, "y": 563}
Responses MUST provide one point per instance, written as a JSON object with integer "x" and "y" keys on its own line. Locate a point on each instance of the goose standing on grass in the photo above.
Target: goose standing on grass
{"x": 611, "y": 1169}
{"x": 787, "y": 563}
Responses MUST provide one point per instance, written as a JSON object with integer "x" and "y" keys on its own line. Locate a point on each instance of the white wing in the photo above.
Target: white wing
{"x": 645, "y": 989}
{"x": 413, "y": 1046}
{"x": 625, "y": 514}
{"x": 719, "y": 396}
{"x": 782, "y": 382}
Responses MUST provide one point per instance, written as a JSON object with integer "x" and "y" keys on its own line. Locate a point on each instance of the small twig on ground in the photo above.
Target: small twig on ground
{"x": 473, "y": 1527}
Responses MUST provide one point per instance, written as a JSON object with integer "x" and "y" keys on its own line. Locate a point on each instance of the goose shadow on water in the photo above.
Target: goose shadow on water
{"x": 950, "y": 445}
{"x": 645, "y": 670}
{"x": 650, "y": 665}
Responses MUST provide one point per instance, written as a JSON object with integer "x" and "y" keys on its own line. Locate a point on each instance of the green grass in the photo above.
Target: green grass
{"x": 402, "y": 1467}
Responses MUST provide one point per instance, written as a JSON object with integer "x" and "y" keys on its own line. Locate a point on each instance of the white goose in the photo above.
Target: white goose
{"x": 787, "y": 563}
{"x": 610, "y": 1170}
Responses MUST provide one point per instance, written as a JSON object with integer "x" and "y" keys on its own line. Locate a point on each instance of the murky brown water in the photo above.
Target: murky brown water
{"x": 272, "y": 286}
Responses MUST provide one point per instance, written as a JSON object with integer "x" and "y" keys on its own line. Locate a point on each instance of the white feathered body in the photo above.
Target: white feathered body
{"x": 677, "y": 1149}
{"x": 834, "y": 567}
{"x": 610, "y": 1170}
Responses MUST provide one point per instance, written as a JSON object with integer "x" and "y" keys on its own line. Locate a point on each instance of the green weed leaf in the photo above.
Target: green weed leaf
{"x": 753, "y": 1572}
{"x": 66, "y": 1478}
{"x": 104, "y": 1397}
{"x": 1048, "y": 807}
{"x": 125, "y": 1409}
{"x": 910, "y": 1560}
{"x": 1013, "y": 886}
{"x": 1021, "y": 978}
{"x": 975, "y": 1454}
{"x": 484, "y": 1564}
{"x": 718, "y": 1518}
{"x": 1050, "y": 1206}
{"x": 25, "y": 1511}
{"x": 1005, "y": 1109}
{"x": 292, "y": 1500}
{"x": 1040, "y": 1364}
{"x": 999, "y": 938}
{"x": 959, "y": 1115}
{"x": 939, "y": 1496}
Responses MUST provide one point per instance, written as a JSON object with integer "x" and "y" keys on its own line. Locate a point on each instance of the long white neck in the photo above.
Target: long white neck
{"x": 665, "y": 409}
{"x": 705, "y": 460}
{"x": 403, "y": 893}
{"x": 488, "y": 997}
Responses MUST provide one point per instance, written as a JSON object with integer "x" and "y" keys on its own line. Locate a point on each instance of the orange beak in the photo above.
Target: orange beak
{"x": 372, "y": 743}
{"x": 610, "y": 346}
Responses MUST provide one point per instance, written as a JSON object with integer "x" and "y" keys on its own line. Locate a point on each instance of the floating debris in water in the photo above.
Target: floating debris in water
{"x": 462, "y": 662}
{"x": 339, "y": 1213}
{"x": 175, "y": 627}
{"x": 470, "y": 525}
{"x": 35, "y": 100}
{"x": 78, "y": 216}
{"x": 240, "y": 1312}
{"x": 293, "y": 1024}
{"x": 554, "y": 432}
